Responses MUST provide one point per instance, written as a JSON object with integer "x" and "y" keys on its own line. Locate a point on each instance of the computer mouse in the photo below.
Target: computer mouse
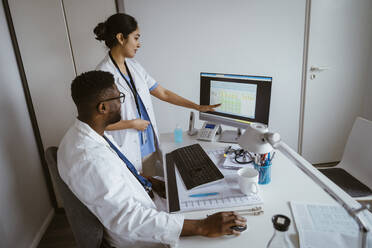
{"x": 239, "y": 228}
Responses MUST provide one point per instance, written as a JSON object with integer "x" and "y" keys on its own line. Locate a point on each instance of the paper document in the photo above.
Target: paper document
{"x": 228, "y": 162}
{"x": 321, "y": 225}
{"x": 229, "y": 194}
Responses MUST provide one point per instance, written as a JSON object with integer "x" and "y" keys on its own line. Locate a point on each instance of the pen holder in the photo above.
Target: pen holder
{"x": 264, "y": 173}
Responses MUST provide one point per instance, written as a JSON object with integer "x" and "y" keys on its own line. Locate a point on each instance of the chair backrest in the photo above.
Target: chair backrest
{"x": 87, "y": 229}
{"x": 357, "y": 156}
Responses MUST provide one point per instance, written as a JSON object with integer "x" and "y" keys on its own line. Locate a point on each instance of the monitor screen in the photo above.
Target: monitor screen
{"x": 244, "y": 99}
{"x": 236, "y": 98}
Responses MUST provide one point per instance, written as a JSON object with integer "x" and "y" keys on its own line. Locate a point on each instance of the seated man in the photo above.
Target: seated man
{"x": 107, "y": 183}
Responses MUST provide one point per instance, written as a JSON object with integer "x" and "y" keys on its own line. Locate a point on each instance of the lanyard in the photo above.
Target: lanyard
{"x": 130, "y": 84}
{"x": 144, "y": 182}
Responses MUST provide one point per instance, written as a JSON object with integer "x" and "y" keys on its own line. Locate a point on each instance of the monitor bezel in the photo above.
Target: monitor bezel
{"x": 263, "y": 97}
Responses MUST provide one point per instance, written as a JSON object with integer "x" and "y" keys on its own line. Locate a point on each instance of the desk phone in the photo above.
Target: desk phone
{"x": 208, "y": 132}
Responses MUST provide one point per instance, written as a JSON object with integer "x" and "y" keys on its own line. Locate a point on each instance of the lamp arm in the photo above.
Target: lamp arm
{"x": 308, "y": 169}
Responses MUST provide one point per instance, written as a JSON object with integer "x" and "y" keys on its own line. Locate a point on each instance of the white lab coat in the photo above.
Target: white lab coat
{"x": 99, "y": 178}
{"x": 128, "y": 139}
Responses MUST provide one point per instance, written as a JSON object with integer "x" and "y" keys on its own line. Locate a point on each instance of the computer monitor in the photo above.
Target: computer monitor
{"x": 244, "y": 99}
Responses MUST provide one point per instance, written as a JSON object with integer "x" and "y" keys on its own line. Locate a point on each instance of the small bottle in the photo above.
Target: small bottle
{"x": 280, "y": 238}
{"x": 178, "y": 134}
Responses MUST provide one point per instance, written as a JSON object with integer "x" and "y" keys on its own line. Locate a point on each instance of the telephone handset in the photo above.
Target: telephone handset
{"x": 208, "y": 132}
{"x": 192, "y": 131}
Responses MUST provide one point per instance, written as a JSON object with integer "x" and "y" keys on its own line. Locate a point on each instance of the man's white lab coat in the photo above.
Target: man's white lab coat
{"x": 101, "y": 180}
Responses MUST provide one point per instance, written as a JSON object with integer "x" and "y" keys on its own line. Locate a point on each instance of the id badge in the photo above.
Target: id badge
{"x": 144, "y": 137}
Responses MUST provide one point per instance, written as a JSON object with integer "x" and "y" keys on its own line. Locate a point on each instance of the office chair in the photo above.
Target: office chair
{"x": 87, "y": 229}
{"x": 353, "y": 174}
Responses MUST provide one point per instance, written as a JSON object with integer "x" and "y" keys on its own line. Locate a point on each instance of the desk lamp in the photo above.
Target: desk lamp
{"x": 259, "y": 140}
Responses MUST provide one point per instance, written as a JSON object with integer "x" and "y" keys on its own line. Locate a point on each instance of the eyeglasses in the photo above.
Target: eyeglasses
{"x": 121, "y": 97}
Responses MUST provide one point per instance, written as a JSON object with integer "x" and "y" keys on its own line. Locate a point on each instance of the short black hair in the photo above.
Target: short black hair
{"x": 89, "y": 88}
{"x": 117, "y": 23}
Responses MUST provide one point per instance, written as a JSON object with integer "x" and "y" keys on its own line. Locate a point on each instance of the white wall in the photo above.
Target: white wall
{"x": 88, "y": 51}
{"x": 180, "y": 39}
{"x": 367, "y": 110}
{"x": 25, "y": 204}
{"x": 48, "y": 56}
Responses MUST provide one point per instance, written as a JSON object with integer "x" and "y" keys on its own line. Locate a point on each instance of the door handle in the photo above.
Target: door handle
{"x": 319, "y": 68}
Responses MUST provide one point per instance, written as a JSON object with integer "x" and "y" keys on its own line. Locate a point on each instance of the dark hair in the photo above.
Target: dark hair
{"x": 117, "y": 23}
{"x": 89, "y": 88}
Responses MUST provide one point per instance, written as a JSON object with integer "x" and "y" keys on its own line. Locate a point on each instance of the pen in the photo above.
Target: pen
{"x": 226, "y": 151}
{"x": 268, "y": 159}
{"x": 204, "y": 194}
{"x": 249, "y": 211}
{"x": 272, "y": 157}
{"x": 252, "y": 213}
{"x": 264, "y": 160}
{"x": 254, "y": 209}
{"x": 256, "y": 160}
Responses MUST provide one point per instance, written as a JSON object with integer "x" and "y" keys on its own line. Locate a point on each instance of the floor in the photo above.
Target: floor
{"x": 58, "y": 234}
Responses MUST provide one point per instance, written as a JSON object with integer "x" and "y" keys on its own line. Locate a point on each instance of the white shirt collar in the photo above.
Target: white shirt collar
{"x": 90, "y": 132}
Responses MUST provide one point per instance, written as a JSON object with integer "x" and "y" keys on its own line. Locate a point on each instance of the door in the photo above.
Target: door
{"x": 337, "y": 74}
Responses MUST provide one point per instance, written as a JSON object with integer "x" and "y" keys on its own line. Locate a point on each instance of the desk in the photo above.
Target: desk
{"x": 288, "y": 183}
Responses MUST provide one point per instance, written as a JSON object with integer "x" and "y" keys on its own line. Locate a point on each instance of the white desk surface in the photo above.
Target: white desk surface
{"x": 288, "y": 183}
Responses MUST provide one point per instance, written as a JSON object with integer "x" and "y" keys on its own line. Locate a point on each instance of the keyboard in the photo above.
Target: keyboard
{"x": 195, "y": 166}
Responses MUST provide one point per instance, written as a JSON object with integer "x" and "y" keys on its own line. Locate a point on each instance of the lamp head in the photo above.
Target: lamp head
{"x": 258, "y": 139}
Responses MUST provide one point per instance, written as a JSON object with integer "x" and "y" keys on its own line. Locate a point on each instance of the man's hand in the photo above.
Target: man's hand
{"x": 205, "y": 108}
{"x": 220, "y": 224}
{"x": 158, "y": 186}
{"x": 214, "y": 225}
{"x": 139, "y": 124}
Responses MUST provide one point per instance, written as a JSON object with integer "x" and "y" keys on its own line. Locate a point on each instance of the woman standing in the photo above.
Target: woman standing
{"x": 137, "y": 132}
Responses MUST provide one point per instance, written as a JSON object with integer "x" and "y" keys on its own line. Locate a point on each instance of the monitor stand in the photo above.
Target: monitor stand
{"x": 230, "y": 136}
